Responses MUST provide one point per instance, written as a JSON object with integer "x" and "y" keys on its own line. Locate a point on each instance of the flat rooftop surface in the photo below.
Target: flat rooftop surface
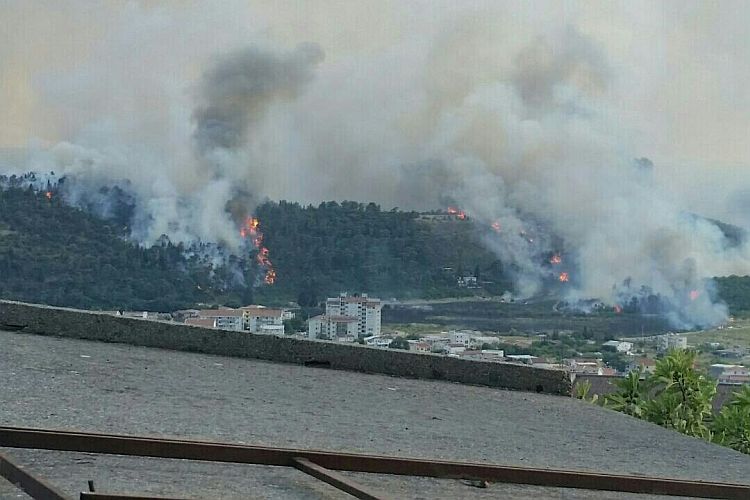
{"x": 72, "y": 384}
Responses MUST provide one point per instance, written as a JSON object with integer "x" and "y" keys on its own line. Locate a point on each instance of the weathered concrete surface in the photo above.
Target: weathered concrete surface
{"x": 114, "y": 388}
{"x": 72, "y": 323}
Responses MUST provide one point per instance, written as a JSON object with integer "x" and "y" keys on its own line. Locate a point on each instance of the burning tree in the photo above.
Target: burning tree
{"x": 251, "y": 231}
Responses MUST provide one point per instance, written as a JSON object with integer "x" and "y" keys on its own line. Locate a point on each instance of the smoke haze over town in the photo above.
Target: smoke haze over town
{"x": 591, "y": 131}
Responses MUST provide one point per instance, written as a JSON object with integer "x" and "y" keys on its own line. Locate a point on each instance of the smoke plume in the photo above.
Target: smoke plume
{"x": 592, "y": 131}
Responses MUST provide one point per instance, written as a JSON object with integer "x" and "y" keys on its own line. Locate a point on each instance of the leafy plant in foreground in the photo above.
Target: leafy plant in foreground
{"x": 731, "y": 427}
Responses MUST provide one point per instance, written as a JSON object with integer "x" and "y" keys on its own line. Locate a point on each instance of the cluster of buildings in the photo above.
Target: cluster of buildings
{"x": 357, "y": 318}
{"x": 252, "y": 319}
{"x": 347, "y": 319}
{"x": 730, "y": 374}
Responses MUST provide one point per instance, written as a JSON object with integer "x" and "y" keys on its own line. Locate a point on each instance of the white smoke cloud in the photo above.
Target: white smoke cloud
{"x": 530, "y": 115}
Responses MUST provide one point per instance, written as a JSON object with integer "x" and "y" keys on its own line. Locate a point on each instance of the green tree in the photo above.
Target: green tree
{"x": 682, "y": 395}
{"x": 399, "y": 343}
{"x": 630, "y": 397}
{"x": 731, "y": 427}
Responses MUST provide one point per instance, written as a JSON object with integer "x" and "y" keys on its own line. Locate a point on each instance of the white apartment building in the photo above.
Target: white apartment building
{"x": 462, "y": 337}
{"x": 364, "y": 309}
{"x": 672, "y": 341}
{"x": 260, "y": 319}
{"x": 224, "y": 318}
{"x": 339, "y": 328}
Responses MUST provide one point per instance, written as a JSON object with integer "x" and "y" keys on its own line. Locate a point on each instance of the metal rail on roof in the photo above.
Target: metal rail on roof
{"x": 321, "y": 464}
{"x": 34, "y": 486}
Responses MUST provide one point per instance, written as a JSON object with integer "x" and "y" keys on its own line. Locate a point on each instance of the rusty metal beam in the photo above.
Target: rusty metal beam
{"x": 336, "y": 480}
{"x": 224, "y": 452}
{"x": 34, "y": 486}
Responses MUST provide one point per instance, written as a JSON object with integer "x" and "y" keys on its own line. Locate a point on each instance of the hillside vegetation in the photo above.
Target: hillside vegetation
{"x": 56, "y": 254}
{"x": 351, "y": 246}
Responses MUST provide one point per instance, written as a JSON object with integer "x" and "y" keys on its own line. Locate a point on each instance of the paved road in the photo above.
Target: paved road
{"x": 116, "y": 388}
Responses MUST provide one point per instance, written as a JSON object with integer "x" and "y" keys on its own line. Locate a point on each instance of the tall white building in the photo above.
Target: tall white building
{"x": 365, "y": 309}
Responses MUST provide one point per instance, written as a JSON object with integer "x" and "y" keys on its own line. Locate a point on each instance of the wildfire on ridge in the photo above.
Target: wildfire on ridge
{"x": 617, "y": 308}
{"x": 694, "y": 294}
{"x": 564, "y": 277}
{"x": 496, "y": 226}
{"x": 555, "y": 259}
{"x": 251, "y": 229}
{"x": 460, "y": 214}
{"x": 48, "y": 194}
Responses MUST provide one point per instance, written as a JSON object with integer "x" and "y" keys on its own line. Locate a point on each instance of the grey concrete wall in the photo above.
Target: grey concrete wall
{"x": 72, "y": 323}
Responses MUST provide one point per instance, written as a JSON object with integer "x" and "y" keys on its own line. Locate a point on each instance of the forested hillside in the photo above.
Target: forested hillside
{"x": 55, "y": 254}
{"x": 735, "y": 291}
{"x": 352, "y": 246}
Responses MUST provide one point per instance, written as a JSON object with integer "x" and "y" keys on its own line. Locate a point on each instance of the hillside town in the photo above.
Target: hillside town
{"x": 356, "y": 318}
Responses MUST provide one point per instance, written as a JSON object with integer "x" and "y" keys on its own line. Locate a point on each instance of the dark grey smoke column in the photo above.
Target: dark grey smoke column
{"x": 237, "y": 90}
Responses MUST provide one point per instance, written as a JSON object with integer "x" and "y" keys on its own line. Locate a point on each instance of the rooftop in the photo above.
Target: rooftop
{"x": 221, "y": 313}
{"x": 204, "y": 322}
{"x": 74, "y": 384}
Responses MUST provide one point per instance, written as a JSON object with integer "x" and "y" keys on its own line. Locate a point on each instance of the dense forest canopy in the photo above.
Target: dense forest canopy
{"x": 335, "y": 247}
{"x": 53, "y": 253}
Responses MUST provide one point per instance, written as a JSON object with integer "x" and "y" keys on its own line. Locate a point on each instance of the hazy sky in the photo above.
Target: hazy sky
{"x": 678, "y": 71}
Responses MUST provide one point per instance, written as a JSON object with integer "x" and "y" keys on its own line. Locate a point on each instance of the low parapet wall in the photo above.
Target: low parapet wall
{"x": 87, "y": 325}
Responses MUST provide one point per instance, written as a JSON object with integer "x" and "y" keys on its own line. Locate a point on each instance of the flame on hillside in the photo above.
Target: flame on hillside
{"x": 564, "y": 277}
{"x": 555, "y": 259}
{"x": 251, "y": 230}
{"x": 460, "y": 214}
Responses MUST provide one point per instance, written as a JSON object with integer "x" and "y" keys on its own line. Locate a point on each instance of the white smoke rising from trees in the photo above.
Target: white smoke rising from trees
{"x": 529, "y": 115}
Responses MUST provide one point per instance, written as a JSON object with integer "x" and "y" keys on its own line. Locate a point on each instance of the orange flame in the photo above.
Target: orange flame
{"x": 618, "y": 309}
{"x": 564, "y": 277}
{"x": 251, "y": 229}
{"x": 496, "y": 226}
{"x": 460, "y": 214}
{"x": 694, "y": 294}
{"x": 270, "y": 278}
{"x": 555, "y": 259}
{"x": 48, "y": 194}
